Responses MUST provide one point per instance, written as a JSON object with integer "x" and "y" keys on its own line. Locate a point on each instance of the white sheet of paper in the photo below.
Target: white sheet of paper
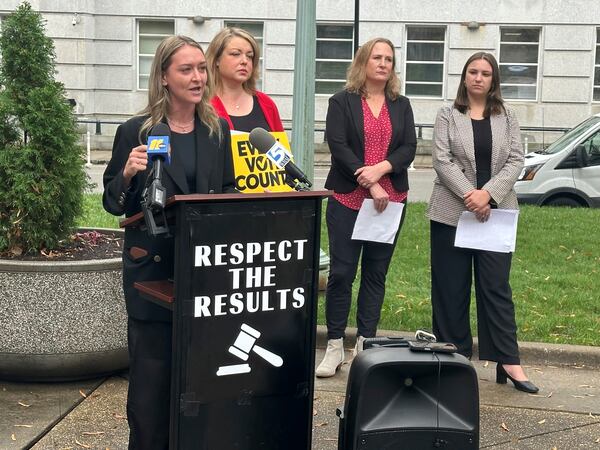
{"x": 498, "y": 234}
{"x": 377, "y": 227}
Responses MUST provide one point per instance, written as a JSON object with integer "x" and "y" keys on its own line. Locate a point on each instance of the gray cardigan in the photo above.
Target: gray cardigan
{"x": 453, "y": 157}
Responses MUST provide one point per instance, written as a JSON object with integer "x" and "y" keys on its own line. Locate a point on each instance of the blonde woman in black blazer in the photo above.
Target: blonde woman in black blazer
{"x": 200, "y": 163}
{"x": 477, "y": 156}
{"x": 371, "y": 135}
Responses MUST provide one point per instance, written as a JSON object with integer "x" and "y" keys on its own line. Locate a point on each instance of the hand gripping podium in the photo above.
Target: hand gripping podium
{"x": 244, "y": 299}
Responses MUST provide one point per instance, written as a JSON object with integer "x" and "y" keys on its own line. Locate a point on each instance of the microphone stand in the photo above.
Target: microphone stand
{"x": 154, "y": 197}
{"x": 300, "y": 186}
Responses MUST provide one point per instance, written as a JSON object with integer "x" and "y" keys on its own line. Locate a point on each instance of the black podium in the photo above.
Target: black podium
{"x": 244, "y": 299}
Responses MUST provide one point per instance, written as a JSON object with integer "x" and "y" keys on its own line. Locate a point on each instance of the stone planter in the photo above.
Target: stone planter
{"x": 61, "y": 320}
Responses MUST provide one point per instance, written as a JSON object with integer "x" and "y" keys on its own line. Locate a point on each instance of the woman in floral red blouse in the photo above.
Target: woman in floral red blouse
{"x": 371, "y": 135}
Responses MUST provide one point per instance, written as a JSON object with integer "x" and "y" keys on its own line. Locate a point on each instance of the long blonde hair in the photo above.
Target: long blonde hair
{"x": 356, "y": 76}
{"x": 216, "y": 48}
{"x": 158, "y": 95}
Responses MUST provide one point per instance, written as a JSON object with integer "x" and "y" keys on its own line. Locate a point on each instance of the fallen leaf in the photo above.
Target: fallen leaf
{"x": 83, "y": 394}
{"x": 82, "y": 444}
{"x": 504, "y": 427}
{"x": 24, "y": 404}
{"x": 542, "y": 421}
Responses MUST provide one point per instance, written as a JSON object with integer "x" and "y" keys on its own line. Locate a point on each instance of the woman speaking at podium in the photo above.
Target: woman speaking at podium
{"x": 178, "y": 96}
{"x": 371, "y": 135}
{"x": 233, "y": 57}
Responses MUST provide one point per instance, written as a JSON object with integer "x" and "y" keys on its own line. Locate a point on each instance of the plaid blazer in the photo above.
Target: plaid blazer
{"x": 453, "y": 157}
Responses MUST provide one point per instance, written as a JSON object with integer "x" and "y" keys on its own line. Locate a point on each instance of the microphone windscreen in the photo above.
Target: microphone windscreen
{"x": 159, "y": 140}
{"x": 261, "y": 139}
{"x": 160, "y": 129}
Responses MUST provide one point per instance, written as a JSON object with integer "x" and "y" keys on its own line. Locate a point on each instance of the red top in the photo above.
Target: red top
{"x": 378, "y": 134}
{"x": 267, "y": 106}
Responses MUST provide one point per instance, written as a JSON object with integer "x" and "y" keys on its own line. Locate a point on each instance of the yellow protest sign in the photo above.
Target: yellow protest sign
{"x": 254, "y": 172}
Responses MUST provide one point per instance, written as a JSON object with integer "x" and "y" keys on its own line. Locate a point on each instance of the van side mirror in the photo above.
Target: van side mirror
{"x": 581, "y": 156}
{"x": 575, "y": 159}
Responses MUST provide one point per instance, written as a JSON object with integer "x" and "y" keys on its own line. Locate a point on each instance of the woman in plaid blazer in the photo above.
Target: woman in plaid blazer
{"x": 477, "y": 156}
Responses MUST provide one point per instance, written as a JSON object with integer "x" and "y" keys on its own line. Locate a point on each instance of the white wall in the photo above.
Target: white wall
{"x": 97, "y": 57}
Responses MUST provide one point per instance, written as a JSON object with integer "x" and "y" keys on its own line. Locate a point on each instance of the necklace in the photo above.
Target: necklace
{"x": 184, "y": 127}
{"x": 234, "y": 103}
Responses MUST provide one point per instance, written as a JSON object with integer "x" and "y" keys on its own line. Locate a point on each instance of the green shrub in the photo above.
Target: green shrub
{"x": 42, "y": 174}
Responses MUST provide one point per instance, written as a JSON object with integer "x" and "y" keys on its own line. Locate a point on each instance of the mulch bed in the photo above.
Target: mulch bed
{"x": 79, "y": 247}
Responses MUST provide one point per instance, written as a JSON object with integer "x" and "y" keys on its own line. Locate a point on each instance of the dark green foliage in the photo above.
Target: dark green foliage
{"x": 42, "y": 177}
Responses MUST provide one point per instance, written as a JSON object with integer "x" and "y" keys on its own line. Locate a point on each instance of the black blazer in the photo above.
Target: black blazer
{"x": 214, "y": 174}
{"x": 346, "y": 138}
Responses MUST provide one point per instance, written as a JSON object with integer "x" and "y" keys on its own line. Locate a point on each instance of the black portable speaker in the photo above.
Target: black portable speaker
{"x": 398, "y": 399}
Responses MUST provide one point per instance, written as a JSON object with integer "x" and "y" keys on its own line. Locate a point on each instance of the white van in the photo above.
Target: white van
{"x": 567, "y": 173}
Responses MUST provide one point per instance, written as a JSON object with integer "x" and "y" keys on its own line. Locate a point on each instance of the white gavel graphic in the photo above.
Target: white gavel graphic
{"x": 246, "y": 342}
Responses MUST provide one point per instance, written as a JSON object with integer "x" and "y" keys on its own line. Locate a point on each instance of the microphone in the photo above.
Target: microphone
{"x": 154, "y": 196}
{"x": 265, "y": 143}
{"x": 159, "y": 140}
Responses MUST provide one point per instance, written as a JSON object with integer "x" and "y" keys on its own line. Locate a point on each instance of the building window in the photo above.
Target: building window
{"x": 150, "y": 34}
{"x": 597, "y": 68}
{"x": 334, "y": 55}
{"x": 519, "y": 50}
{"x": 424, "y": 74}
{"x": 256, "y": 29}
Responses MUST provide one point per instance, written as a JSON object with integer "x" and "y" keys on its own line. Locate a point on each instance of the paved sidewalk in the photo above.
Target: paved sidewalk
{"x": 564, "y": 415}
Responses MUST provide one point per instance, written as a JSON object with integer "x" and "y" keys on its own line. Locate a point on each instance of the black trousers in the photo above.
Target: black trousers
{"x": 148, "y": 397}
{"x": 344, "y": 255}
{"x": 451, "y": 274}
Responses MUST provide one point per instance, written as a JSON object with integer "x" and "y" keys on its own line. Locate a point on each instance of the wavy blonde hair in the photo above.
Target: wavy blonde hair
{"x": 356, "y": 77}
{"x": 216, "y": 48}
{"x": 159, "y": 98}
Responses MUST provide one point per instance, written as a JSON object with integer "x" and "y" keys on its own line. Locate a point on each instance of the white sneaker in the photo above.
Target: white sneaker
{"x": 333, "y": 359}
{"x": 360, "y": 343}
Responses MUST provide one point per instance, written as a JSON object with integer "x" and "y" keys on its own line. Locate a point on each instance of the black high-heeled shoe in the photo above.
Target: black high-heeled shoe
{"x": 525, "y": 386}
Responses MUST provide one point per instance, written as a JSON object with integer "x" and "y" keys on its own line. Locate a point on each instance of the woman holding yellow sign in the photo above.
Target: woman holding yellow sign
{"x": 233, "y": 57}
